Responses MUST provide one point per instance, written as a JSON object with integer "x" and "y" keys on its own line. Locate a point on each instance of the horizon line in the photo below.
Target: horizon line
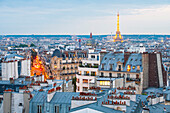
{"x": 88, "y": 34}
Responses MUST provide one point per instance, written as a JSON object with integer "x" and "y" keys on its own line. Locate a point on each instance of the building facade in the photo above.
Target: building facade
{"x": 64, "y": 65}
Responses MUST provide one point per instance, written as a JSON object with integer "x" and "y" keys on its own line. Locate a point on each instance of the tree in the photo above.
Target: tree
{"x": 32, "y": 45}
{"x": 74, "y": 83}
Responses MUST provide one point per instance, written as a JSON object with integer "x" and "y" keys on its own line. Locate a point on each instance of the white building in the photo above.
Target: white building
{"x": 138, "y": 49}
{"x": 88, "y": 70}
{"x": 13, "y": 66}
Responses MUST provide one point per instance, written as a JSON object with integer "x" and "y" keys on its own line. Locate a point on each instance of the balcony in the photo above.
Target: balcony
{"x": 68, "y": 73}
{"x": 136, "y": 80}
{"x": 89, "y": 66}
{"x": 87, "y": 74}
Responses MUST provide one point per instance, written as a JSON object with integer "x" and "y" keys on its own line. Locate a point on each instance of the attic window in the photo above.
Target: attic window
{"x": 128, "y": 68}
{"x": 20, "y": 104}
{"x": 138, "y": 67}
{"x": 55, "y": 62}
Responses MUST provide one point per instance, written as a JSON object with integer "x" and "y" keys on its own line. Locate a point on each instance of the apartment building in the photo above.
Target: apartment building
{"x": 13, "y": 66}
{"x": 64, "y": 64}
{"x": 140, "y": 70}
{"x": 88, "y": 70}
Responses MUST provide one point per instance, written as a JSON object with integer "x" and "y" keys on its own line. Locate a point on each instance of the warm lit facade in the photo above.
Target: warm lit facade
{"x": 65, "y": 65}
{"x": 135, "y": 69}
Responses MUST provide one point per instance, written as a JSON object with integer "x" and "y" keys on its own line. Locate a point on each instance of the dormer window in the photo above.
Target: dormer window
{"x": 138, "y": 67}
{"x": 55, "y": 62}
{"x": 119, "y": 67}
{"x": 102, "y": 74}
{"x": 111, "y": 67}
{"x": 92, "y": 56}
{"x": 102, "y": 66}
{"x": 128, "y": 68}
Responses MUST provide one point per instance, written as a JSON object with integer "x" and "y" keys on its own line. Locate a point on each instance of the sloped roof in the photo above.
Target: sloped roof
{"x": 135, "y": 59}
{"x": 63, "y": 97}
{"x": 57, "y": 53}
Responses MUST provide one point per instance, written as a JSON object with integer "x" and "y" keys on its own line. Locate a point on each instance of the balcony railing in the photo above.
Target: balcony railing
{"x": 89, "y": 66}
{"x": 133, "y": 79}
{"x": 68, "y": 73}
{"x": 71, "y": 62}
{"x": 87, "y": 74}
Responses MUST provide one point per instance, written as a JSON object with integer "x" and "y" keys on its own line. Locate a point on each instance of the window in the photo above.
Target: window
{"x": 104, "y": 83}
{"x": 110, "y": 66}
{"x": 85, "y": 80}
{"x": 138, "y": 68}
{"x": 39, "y": 109}
{"x": 105, "y": 58}
{"x": 137, "y": 76}
{"x": 85, "y": 88}
{"x": 97, "y": 57}
{"x": 93, "y": 73}
{"x": 77, "y": 80}
{"x": 86, "y": 72}
{"x": 119, "y": 67}
{"x": 20, "y": 104}
{"x": 128, "y": 68}
{"x": 102, "y": 74}
{"x": 110, "y": 74}
{"x": 118, "y": 75}
{"x": 102, "y": 66}
{"x": 92, "y": 56}
{"x": 56, "y": 109}
{"x": 128, "y": 75}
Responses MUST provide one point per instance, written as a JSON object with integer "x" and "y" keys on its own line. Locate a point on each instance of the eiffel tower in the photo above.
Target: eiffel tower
{"x": 117, "y": 37}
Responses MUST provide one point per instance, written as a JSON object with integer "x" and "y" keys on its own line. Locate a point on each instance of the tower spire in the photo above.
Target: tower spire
{"x": 118, "y": 22}
{"x": 118, "y": 37}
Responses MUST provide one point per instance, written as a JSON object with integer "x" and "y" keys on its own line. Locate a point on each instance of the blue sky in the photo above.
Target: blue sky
{"x": 84, "y": 16}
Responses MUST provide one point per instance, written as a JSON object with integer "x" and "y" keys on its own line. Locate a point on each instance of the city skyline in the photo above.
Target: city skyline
{"x": 75, "y": 17}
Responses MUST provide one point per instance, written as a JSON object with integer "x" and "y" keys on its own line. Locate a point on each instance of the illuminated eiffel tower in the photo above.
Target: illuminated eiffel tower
{"x": 117, "y": 37}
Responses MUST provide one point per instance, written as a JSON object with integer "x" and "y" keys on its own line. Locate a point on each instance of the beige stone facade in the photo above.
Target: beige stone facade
{"x": 64, "y": 68}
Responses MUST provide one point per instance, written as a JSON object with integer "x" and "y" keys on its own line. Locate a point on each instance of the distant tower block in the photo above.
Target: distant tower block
{"x": 118, "y": 37}
{"x": 79, "y": 43}
{"x": 90, "y": 35}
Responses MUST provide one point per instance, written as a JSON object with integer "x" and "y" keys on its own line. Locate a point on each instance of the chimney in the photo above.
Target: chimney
{"x": 50, "y": 94}
{"x": 126, "y": 56}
